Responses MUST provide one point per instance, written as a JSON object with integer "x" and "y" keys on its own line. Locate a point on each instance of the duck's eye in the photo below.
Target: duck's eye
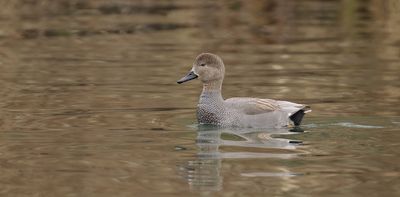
{"x": 203, "y": 64}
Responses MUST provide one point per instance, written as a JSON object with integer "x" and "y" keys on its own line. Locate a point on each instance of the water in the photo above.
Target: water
{"x": 90, "y": 107}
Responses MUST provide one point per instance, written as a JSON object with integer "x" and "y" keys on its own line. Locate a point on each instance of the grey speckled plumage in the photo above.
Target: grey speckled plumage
{"x": 237, "y": 112}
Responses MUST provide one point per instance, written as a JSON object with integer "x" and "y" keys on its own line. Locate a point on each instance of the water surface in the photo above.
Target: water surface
{"x": 90, "y": 107}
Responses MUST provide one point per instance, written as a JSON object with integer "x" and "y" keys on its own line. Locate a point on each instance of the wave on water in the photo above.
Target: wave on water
{"x": 344, "y": 124}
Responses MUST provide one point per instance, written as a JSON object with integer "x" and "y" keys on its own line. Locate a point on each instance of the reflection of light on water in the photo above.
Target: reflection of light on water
{"x": 345, "y": 124}
{"x": 286, "y": 177}
{"x": 204, "y": 173}
{"x": 352, "y": 125}
{"x": 270, "y": 174}
{"x": 247, "y": 155}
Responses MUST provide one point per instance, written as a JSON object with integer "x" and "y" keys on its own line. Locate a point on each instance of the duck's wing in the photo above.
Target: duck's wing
{"x": 252, "y": 106}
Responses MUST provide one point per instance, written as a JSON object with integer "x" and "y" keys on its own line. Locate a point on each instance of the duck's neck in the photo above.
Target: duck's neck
{"x": 214, "y": 86}
{"x": 212, "y": 92}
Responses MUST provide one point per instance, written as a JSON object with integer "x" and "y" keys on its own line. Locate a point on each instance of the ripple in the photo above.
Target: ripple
{"x": 270, "y": 174}
{"x": 343, "y": 124}
{"x": 353, "y": 125}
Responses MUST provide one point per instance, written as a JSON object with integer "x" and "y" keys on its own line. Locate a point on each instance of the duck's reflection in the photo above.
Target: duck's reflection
{"x": 204, "y": 174}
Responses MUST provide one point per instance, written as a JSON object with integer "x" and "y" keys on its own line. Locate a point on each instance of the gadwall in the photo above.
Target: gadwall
{"x": 237, "y": 112}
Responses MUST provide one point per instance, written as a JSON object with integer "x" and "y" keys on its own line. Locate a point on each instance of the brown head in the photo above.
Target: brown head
{"x": 207, "y": 67}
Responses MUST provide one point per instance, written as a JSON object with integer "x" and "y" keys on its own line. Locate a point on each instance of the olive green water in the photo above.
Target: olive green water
{"x": 90, "y": 107}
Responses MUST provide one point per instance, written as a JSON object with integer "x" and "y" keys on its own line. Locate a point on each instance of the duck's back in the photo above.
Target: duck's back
{"x": 256, "y": 112}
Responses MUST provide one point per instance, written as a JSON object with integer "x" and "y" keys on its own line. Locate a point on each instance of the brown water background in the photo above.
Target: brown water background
{"x": 90, "y": 107}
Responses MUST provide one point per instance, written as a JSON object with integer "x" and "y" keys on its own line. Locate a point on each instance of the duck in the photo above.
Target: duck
{"x": 243, "y": 112}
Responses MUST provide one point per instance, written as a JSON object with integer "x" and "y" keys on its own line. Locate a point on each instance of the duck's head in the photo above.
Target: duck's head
{"x": 207, "y": 67}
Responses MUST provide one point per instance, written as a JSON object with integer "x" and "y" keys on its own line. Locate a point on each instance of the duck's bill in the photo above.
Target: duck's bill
{"x": 188, "y": 77}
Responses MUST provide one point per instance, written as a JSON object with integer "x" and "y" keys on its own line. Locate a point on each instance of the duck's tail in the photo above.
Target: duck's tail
{"x": 298, "y": 116}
